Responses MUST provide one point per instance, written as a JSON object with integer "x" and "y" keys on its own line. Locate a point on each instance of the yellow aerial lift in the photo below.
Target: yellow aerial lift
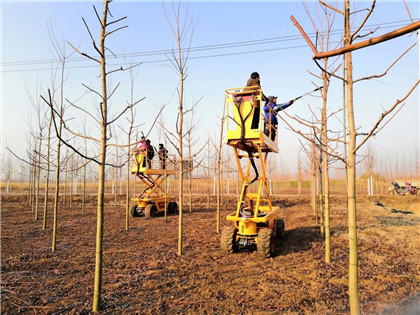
{"x": 153, "y": 200}
{"x": 256, "y": 222}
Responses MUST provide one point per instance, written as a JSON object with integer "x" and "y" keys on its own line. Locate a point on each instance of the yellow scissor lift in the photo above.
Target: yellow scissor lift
{"x": 154, "y": 198}
{"x": 255, "y": 221}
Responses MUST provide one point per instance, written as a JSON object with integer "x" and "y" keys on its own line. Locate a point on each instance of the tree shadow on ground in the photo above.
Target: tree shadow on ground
{"x": 297, "y": 240}
{"x": 398, "y": 221}
{"x": 288, "y": 203}
{"x": 406, "y": 203}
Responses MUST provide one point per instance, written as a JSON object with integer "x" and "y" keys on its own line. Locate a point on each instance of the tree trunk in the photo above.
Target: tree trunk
{"x": 344, "y": 122}
{"x": 299, "y": 176}
{"x": 218, "y": 193}
{"x": 325, "y": 173}
{"x": 313, "y": 179}
{"x": 116, "y": 178}
{"x": 30, "y": 186}
{"x": 181, "y": 167}
{"x": 71, "y": 188}
{"x": 84, "y": 190}
{"x": 189, "y": 173}
{"x": 57, "y": 186}
{"x": 101, "y": 169}
{"x": 321, "y": 201}
{"x": 127, "y": 200}
{"x": 218, "y": 170}
{"x": 38, "y": 175}
{"x": 47, "y": 179}
{"x": 33, "y": 182}
{"x": 58, "y": 164}
{"x": 208, "y": 173}
{"x": 351, "y": 179}
{"x": 180, "y": 195}
{"x": 99, "y": 226}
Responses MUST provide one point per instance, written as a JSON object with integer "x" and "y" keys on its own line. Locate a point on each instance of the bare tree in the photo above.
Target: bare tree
{"x": 218, "y": 170}
{"x": 47, "y": 174}
{"x": 353, "y": 147}
{"x": 84, "y": 167}
{"x": 369, "y": 161}
{"x": 182, "y": 27}
{"x": 7, "y": 170}
{"x": 115, "y": 170}
{"x": 323, "y": 30}
{"x": 60, "y": 52}
{"x": 191, "y": 124}
{"x": 103, "y": 121}
{"x": 311, "y": 150}
{"x": 129, "y": 133}
{"x": 38, "y": 136}
{"x": 299, "y": 174}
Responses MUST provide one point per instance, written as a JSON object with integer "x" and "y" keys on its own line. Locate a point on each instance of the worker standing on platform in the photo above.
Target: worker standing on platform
{"x": 163, "y": 155}
{"x": 270, "y": 110}
{"x": 150, "y": 153}
{"x": 143, "y": 146}
{"x": 253, "y": 81}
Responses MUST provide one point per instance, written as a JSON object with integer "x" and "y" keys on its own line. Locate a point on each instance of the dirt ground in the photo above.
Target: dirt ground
{"x": 142, "y": 273}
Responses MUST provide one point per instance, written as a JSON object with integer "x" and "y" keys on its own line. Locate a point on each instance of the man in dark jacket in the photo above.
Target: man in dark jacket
{"x": 270, "y": 110}
{"x": 150, "y": 153}
{"x": 163, "y": 155}
{"x": 254, "y": 80}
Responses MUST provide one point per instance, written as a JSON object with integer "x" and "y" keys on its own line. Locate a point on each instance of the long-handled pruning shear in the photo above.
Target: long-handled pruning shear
{"x": 317, "y": 89}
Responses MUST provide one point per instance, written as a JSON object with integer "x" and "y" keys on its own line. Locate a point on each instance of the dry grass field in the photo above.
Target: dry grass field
{"x": 142, "y": 273}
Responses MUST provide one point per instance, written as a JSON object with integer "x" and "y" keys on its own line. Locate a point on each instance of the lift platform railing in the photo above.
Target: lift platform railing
{"x": 245, "y": 119}
{"x": 141, "y": 164}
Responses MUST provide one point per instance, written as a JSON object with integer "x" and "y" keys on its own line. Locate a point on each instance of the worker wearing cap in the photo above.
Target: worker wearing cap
{"x": 271, "y": 115}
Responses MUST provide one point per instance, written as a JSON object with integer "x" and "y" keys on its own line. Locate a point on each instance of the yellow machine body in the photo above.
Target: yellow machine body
{"x": 155, "y": 195}
{"x": 251, "y": 110}
{"x": 246, "y": 133}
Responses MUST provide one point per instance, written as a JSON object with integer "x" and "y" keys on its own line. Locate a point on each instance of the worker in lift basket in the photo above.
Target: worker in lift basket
{"x": 271, "y": 115}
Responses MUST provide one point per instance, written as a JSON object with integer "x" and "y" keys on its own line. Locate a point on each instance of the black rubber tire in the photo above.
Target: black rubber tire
{"x": 172, "y": 207}
{"x": 134, "y": 212}
{"x": 228, "y": 241}
{"x": 279, "y": 228}
{"x": 266, "y": 243}
{"x": 150, "y": 211}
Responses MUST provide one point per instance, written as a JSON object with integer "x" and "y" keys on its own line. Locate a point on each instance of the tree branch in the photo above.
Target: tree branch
{"x": 370, "y": 42}
{"x": 93, "y": 40}
{"x": 352, "y": 37}
{"x": 83, "y": 54}
{"x": 386, "y": 71}
{"x": 384, "y": 114}
{"x": 109, "y": 33}
{"x": 331, "y": 7}
{"x": 123, "y": 112}
{"x": 83, "y": 110}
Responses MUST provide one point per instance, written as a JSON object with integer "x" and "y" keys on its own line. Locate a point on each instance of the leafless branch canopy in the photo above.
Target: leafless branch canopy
{"x": 384, "y": 114}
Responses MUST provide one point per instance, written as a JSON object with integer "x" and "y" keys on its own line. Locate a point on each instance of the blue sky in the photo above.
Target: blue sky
{"x": 283, "y": 61}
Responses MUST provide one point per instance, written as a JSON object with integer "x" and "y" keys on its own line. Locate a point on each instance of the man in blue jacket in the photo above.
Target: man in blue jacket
{"x": 270, "y": 110}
